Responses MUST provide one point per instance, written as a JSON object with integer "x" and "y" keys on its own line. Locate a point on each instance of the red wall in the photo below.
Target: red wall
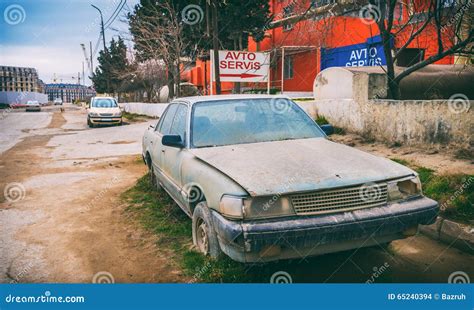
{"x": 200, "y": 76}
{"x": 328, "y": 33}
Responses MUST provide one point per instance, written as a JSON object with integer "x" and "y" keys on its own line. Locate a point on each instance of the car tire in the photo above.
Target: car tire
{"x": 204, "y": 234}
{"x": 89, "y": 123}
{"x": 151, "y": 175}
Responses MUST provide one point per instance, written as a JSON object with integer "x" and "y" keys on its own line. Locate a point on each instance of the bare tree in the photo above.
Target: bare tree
{"x": 444, "y": 20}
{"x": 159, "y": 35}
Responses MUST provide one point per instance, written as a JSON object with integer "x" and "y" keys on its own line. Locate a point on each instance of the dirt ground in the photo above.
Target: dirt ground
{"x": 70, "y": 224}
{"x": 440, "y": 160}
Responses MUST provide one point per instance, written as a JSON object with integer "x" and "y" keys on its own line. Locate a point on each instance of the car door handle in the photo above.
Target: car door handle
{"x": 162, "y": 151}
{"x": 151, "y": 142}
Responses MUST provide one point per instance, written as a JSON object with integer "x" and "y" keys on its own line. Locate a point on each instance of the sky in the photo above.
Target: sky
{"x": 46, "y": 34}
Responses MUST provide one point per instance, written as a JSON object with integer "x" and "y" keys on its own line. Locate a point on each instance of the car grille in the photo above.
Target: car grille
{"x": 343, "y": 199}
{"x": 106, "y": 114}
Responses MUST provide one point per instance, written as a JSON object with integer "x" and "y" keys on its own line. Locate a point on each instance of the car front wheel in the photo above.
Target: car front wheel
{"x": 204, "y": 234}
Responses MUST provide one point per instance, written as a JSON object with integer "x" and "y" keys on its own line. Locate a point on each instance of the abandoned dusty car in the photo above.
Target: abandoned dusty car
{"x": 262, "y": 181}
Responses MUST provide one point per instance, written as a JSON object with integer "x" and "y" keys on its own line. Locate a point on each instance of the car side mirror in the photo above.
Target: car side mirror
{"x": 173, "y": 141}
{"x": 151, "y": 126}
{"x": 328, "y": 129}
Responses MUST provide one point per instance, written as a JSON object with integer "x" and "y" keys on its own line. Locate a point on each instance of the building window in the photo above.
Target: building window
{"x": 410, "y": 56}
{"x": 288, "y": 68}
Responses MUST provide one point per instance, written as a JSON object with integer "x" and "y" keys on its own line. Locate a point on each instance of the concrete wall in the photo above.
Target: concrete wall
{"x": 347, "y": 97}
{"x": 157, "y": 109}
{"x": 13, "y": 97}
{"x": 405, "y": 121}
{"x": 148, "y": 109}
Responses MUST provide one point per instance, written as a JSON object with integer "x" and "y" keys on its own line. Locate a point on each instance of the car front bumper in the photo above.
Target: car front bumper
{"x": 303, "y": 236}
{"x": 33, "y": 109}
{"x": 105, "y": 120}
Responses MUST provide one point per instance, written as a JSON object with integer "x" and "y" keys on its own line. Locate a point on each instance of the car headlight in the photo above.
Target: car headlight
{"x": 119, "y": 114}
{"x": 268, "y": 206}
{"x": 232, "y": 206}
{"x": 93, "y": 114}
{"x": 404, "y": 188}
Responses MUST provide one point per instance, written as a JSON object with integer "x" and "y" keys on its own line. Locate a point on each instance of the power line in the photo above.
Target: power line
{"x": 116, "y": 15}
{"x": 115, "y": 11}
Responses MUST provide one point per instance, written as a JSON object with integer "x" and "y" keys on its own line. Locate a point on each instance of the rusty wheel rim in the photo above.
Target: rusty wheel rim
{"x": 202, "y": 237}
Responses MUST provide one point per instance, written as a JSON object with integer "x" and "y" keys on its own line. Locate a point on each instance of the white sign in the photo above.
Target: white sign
{"x": 242, "y": 66}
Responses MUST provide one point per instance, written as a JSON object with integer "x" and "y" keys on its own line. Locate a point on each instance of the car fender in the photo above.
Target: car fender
{"x": 212, "y": 182}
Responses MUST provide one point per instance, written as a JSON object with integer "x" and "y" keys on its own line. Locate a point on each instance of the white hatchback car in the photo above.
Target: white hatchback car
{"x": 103, "y": 110}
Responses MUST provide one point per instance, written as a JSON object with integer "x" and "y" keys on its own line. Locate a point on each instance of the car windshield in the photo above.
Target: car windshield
{"x": 104, "y": 103}
{"x": 227, "y": 122}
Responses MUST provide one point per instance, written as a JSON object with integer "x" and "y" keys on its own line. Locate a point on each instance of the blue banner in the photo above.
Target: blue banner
{"x": 237, "y": 296}
{"x": 370, "y": 53}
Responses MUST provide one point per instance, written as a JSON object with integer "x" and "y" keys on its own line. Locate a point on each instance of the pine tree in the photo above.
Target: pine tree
{"x": 112, "y": 69}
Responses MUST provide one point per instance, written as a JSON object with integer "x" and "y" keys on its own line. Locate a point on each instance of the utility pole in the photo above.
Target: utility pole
{"x": 102, "y": 26}
{"x": 215, "y": 46}
{"x": 83, "y": 76}
{"x": 103, "y": 40}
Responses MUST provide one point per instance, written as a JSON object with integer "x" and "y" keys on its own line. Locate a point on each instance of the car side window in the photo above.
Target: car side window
{"x": 165, "y": 125}
{"x": 179, "y": 123}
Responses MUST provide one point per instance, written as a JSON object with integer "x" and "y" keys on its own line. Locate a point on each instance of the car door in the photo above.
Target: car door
{"x": 173, "y": 156}
{"x": 157, "y": 149}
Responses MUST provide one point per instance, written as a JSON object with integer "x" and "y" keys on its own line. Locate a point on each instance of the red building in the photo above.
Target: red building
{"x": 300, "y": 50}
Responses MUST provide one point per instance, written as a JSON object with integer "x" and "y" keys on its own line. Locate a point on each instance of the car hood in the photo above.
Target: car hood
{"x": 280, "y": 167}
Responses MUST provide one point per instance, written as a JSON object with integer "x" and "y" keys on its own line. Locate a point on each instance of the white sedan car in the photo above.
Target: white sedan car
{"x": 262, "y": 182}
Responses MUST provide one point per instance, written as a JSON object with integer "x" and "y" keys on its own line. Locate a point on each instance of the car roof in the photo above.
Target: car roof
{"x": 195, "y": 99}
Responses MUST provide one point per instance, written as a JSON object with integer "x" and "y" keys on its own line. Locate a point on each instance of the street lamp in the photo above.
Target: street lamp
{"x": 103, "y": 39}
{"x": 102, "y": 26}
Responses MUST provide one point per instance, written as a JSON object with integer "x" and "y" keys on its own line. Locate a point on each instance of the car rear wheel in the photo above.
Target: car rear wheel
{"x": 204, "y": 234}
